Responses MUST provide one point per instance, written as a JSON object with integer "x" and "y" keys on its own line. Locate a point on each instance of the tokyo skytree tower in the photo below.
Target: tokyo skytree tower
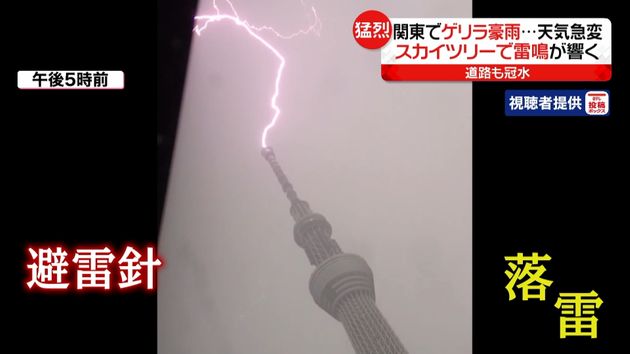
{"x": 342, "y": 283}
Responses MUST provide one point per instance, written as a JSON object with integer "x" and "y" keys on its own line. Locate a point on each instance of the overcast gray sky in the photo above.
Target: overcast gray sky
{"x": 389, "y": 165}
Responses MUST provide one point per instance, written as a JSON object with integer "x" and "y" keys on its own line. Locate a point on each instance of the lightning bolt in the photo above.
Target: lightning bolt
{"x": 255, "y": 32}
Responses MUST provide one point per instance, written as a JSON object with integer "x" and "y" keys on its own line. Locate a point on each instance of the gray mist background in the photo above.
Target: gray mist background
{"x": 389, "y": 165}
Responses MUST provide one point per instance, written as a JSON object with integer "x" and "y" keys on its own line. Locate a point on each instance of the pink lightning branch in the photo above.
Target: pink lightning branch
{"x": 255, "y": 32}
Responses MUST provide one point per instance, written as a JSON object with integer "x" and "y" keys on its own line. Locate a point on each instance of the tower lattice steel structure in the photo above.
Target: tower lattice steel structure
{"x": 342, "y": 283}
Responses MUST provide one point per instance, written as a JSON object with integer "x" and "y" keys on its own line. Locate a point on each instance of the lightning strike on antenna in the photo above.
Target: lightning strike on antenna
{"x": 254, "y": 31}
